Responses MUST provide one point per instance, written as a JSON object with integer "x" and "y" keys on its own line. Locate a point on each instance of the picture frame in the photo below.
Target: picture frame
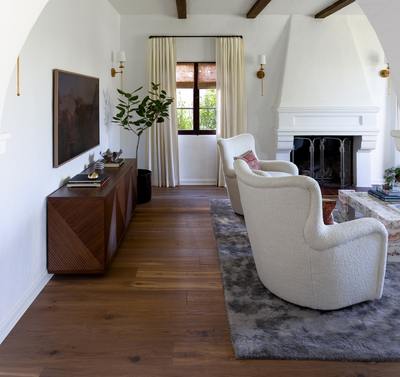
{"x": 76, "y": 123}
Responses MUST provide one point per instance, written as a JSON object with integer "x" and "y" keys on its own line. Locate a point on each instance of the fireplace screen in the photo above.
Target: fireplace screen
{"x": 327, "y": 159}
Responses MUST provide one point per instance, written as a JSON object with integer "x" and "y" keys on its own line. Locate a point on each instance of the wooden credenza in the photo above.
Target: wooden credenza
{"x": 86, "y": 225}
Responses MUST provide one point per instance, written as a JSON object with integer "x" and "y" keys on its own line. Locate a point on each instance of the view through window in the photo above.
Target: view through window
{"x": 196, "y": 95}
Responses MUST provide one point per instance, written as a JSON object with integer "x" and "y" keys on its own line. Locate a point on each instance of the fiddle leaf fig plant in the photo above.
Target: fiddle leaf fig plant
{"x": 148, "y": 111}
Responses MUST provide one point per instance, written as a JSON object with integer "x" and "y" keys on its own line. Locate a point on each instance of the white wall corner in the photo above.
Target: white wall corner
{"x": 15, "y": 315}
{"x": 4, "y": 136}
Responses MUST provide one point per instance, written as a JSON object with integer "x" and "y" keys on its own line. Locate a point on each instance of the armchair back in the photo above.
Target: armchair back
{"x": 234, "y": 147}
{"x": 297, "y": 256}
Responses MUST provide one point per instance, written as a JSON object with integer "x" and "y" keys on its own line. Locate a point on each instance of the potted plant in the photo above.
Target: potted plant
{"x": 391, "y": 176}
{"x": 148, "y": 111}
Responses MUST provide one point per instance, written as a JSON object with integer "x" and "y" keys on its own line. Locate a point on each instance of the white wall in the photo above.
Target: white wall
{"x": 71, "y": 35}
{"x": 264, "y": 35}
{"x": 373, "y": 61}
{"x": 384, "y": 18}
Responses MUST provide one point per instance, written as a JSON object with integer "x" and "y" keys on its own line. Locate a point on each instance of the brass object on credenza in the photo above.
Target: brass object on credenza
{"x": 93, "y": 176}
{"x": 109, "y": 156}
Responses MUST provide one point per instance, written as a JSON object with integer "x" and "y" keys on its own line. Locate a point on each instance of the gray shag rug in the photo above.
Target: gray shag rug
{"x": 263, "y": 326}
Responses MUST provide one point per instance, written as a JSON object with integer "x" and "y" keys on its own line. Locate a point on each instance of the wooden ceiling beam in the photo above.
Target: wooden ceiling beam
{"x": 181, "y": 8}
{"x": 257, "y": 8}
{"x": 334, "y": 8}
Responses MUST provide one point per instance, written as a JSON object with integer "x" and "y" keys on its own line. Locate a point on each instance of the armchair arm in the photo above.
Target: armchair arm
{"x": 279, "y": 165}
{"x": 230, "y": 173}
{"x": 339, "y": 234}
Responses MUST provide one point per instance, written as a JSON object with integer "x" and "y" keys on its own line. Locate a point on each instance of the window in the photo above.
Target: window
{"x": 197, "y": 98}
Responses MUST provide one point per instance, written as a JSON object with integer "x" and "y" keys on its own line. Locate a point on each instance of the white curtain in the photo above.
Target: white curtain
{"x": 231, "y": 92}
{"x": 162, "y": 138}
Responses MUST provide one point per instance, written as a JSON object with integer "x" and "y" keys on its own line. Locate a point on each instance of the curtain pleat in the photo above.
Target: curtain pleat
{"x": 231, "y": 93}
{"x": 162, "y": 156}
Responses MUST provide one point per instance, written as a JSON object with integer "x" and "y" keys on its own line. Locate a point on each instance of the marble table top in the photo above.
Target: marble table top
{"x": 387, "y": 213}
{"x": 362, "y": 201}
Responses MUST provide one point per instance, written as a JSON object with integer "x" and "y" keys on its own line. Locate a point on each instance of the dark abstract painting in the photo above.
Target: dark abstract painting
{"x": 76, "y": 115}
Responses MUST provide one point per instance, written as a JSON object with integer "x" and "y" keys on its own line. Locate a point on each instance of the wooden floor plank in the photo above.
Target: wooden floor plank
{"x": 18, "y": 371}
{"x": 159, "y": 310}
{"x": 239, "y": 369}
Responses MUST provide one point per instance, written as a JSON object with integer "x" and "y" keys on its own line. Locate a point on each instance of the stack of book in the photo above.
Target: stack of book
{"x": 82, "y": 180}
{"x": 116, "y": 164}
{"x": 391, "y": 196}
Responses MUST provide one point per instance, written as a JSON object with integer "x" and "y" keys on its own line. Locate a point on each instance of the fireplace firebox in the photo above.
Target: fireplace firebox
{"x": 327, "y": 159}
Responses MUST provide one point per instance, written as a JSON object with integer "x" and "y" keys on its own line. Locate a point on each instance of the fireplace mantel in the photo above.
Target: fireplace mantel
{"x": 357, "y": 122}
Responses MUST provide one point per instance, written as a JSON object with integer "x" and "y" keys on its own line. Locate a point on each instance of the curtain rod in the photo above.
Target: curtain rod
{"x": 195, "y": 36}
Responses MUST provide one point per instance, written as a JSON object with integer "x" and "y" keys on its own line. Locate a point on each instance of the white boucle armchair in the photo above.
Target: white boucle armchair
{"x": 297, "y": 256}
{"x": 236, "y": 146}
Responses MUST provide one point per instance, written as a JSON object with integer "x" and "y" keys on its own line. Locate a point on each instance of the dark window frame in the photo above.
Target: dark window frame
{"x": 196, "y": 108}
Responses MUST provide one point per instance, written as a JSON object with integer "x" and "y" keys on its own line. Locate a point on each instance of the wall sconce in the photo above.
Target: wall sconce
{"x": 386, "y": 73}
{"x": 260, "y": 74}
{"x": 120, "y": 58}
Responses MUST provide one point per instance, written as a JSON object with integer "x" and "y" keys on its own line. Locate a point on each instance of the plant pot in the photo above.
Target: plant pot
{"x": 143, "y": 186}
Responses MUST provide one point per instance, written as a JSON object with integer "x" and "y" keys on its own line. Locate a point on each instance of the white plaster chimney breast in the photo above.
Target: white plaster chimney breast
{"x": 324, "y": 90}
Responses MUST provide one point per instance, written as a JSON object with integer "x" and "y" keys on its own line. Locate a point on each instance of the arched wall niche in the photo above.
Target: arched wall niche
{"x": 382, "y": 16}
{"x": 17, "y": 18}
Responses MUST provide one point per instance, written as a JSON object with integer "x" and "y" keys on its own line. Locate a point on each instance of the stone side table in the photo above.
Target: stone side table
{"x": 387, "y": 213}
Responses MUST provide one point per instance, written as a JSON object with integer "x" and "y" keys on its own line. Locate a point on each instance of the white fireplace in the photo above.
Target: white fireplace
{"x": 359, "y": 123}
{"x": 324, "y": 92}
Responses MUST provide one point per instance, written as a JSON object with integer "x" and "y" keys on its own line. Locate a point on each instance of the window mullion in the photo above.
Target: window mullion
{"x": 196, "y": 101}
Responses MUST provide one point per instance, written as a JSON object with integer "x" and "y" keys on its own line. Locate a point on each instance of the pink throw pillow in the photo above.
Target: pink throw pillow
{"x": 250, "y": 159}
{"x": 327, "y": 207}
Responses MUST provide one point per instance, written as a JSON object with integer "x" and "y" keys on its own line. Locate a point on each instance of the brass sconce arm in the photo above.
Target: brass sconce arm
{"x": 261, "y": 73}
{"x": 114, "y": 72}
{"x": 386, "y": 73}
{"x": 121, "y": 59}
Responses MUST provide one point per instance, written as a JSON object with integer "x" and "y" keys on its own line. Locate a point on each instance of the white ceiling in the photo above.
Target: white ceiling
{"x": 228, "y": 7}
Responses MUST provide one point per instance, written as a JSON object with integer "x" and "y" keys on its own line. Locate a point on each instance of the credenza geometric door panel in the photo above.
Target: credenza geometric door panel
{"x": 86, "y": 225}
{"x": 75, "y": 235}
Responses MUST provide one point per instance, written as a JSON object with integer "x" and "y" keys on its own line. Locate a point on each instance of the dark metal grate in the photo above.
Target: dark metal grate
{"x": 327, "y": 159}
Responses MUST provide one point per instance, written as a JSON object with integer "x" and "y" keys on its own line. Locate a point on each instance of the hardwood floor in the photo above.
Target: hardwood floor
{"x": 159, "y": 311}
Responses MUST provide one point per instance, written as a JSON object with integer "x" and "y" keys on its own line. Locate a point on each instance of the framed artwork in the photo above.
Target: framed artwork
{"x": 76, "y": 126}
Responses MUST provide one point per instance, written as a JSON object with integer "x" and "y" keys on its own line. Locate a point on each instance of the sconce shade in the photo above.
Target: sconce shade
{"x": 121, "y": 56}
{"x": 262, "y": 59}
